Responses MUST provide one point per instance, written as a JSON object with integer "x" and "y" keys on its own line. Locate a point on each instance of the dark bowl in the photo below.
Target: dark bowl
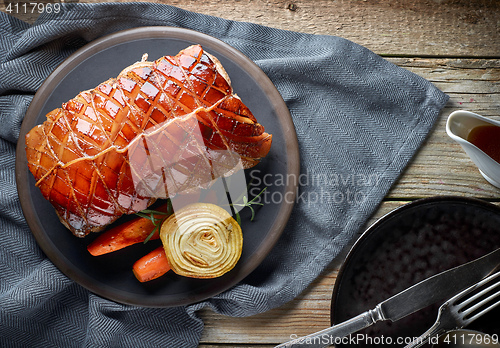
{"x": 407, "y": 245}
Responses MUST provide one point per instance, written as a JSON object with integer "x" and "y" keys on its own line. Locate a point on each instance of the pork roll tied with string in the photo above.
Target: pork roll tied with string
{"x": 160, "y": 128}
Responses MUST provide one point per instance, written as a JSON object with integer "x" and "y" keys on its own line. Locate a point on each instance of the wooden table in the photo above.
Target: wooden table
{"x": 455, "y": 44}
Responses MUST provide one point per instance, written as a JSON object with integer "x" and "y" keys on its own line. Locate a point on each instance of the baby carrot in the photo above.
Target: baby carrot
{"x": 128, "y": 233}
{"x": 152, "y": 265}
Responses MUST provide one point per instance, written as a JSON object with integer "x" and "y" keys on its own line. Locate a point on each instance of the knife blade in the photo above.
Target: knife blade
{"x": 437, "y": 288}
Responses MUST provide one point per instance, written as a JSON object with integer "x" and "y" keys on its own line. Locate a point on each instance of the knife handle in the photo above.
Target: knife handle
{"x": 327, "y": 337}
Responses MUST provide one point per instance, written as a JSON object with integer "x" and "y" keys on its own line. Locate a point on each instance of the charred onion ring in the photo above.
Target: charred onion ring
{"x": 201, "y": 240}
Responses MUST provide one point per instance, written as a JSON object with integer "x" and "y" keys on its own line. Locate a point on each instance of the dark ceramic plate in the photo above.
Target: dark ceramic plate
{"x": 411, "y": 243}
{"x": 110, "y": 275}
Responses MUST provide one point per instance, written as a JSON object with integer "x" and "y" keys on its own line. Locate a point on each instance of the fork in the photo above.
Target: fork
{"x": 463, "y": 308}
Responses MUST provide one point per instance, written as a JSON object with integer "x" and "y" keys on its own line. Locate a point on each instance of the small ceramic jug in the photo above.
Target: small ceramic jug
{"x": 458, "y": 127}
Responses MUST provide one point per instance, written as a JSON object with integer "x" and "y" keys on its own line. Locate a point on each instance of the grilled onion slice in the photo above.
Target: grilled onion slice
{"x": 201, "y": 240}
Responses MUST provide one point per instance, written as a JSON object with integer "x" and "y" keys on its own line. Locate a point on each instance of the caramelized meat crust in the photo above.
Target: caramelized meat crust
{"x": 158, "y": 129}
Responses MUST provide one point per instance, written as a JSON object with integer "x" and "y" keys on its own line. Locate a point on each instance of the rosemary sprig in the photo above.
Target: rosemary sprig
{"x": 150, "y": 214}
{"x": 157, "y": 217}
{"x": 249, "y": 204}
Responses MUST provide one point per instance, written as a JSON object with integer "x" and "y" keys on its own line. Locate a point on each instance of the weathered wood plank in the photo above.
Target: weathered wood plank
{"x": 276, "y": 325}
{"x": 398, "y": 27}
{"x": 308, "y": 313}
{"x": 441, "y": 167}
{"x": 401, "y": 29}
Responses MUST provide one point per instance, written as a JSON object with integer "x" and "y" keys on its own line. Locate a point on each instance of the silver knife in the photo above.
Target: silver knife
{"x": 437, "y": 288}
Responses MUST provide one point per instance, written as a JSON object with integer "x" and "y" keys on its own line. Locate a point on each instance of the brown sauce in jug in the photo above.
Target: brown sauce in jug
{"x": 487, "y": 138}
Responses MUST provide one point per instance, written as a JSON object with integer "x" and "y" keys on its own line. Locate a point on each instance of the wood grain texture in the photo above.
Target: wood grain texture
{"x": 397, "y": 27}
{"x": 455, "y": 44}
{"x": 309, "y": 312}
{"x": 441, "y": 166}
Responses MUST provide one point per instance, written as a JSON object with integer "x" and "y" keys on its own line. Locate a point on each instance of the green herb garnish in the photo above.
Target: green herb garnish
{"x": 157, "y": 221}
{"x": 152, "y": 215}
{"x": 249, "y": 204}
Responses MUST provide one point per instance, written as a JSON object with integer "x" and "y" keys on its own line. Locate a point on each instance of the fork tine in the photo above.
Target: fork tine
{"x": 462, "y": 309}
{"x": 492, "y": 284}
{"x": 483, "y": 312}
{"x": 478, "y": 295}
{"x": 459, "y": 298}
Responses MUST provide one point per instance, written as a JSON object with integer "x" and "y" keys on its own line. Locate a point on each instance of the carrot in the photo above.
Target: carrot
{"x": 151, "y": 266}
{"x": 128, "y": 233}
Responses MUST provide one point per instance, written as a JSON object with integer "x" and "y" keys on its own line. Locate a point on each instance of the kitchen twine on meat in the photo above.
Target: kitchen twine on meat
{"x": 355, "y": 114}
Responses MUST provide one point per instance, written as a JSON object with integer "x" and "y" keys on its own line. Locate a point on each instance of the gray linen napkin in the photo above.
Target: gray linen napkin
{"x": 356, "y": 115}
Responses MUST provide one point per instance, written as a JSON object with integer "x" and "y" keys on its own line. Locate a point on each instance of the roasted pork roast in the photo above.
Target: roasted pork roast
{"x": 159, "y": 129}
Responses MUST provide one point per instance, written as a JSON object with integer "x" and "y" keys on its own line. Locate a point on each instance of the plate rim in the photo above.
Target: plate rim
{"x": 157, "y": 32}
{"x": 370, "y": 230}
